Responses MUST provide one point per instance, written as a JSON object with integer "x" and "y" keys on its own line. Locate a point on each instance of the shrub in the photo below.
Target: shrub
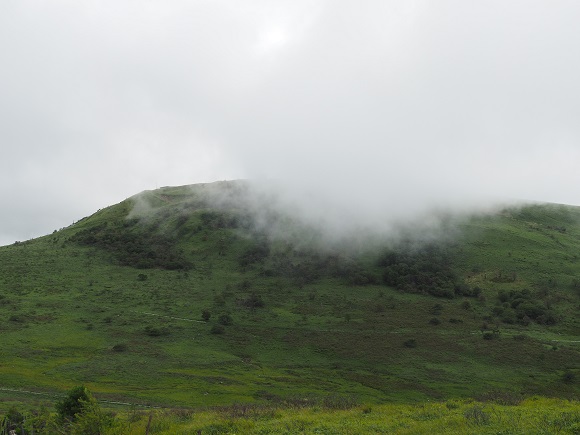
{"x": 74, "y": 403}
{"x": 225, "y": 319}
{"x": 39, "y": 420}
{"x": 436, "y": 309}
{"x": 12, "y": 420}
{"x": 217, "y": 329}
{"x": 156, "y": 331}
{"x": 254, "y": 254}
{"x": 120, "y": 347}
{"x": 411, "y": 343}
{"x": 476, "y": 415}
{"x": 568, "y": 377}
{"x": 522, "y": 306}
{"x": 253, "y": 301}
{"x": 18, "y": 318}
{"x": 426, "y": 270}
{"x": 91, "y": 421}
{"x": 509, "y": 317}
{"x": 143, "y": 247}
{"x": 451, "y": 405}
{"x": 205, "y": 315}
{"x": 462, "y": 289}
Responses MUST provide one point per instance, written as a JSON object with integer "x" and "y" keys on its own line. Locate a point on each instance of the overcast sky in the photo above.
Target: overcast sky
{"x": 382, "y": 106}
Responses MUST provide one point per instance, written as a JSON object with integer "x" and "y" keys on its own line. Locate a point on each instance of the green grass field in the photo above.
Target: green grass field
{"x": 533, "y": 416}
{"x": 115, "y": 302}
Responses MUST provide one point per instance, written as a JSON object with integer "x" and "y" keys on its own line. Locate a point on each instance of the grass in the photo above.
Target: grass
{"x": 91, "y": 313}
{"x": 335, "y": 415}
{"x": 533, "y": 416}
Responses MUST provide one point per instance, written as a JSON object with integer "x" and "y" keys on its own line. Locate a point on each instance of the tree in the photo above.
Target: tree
{"x": 91, "y": 421}
{"x": 74, "y": 403}
{"x": 81, "y": 413}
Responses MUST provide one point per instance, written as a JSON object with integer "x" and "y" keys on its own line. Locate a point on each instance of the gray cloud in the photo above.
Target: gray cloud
{"x": 383, "y": 109}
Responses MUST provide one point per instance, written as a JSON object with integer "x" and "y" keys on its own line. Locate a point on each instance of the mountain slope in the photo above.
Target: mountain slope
{"x": 202, "y": 295}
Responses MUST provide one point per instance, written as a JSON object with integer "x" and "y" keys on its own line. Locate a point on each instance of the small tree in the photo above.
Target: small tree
{"x": 205, "y": 315}
{"x": 91, "y": 421}
{"x": 74, "y": 403}
{"x": 81, "y": 413}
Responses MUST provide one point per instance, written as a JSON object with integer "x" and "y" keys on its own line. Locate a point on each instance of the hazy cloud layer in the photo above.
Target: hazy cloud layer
{"x": 382, "y": 109}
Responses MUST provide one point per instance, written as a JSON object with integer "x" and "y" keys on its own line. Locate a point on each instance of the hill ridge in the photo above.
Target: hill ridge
{"x": 276, "y": 317}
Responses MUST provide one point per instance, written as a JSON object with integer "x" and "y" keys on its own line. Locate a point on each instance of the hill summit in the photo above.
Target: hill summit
{"x": 213, "y": 294}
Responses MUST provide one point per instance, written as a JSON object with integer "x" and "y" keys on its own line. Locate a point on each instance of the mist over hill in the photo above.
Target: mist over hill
{"x": 215, "y": 293}
{"x": 280, "y": 211}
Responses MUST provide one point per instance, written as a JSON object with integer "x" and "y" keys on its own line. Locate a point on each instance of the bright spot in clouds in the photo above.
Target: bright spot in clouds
{"x": 271, "y": 39}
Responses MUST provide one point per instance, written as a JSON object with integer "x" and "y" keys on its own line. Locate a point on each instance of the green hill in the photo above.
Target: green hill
{"x": 205, "y": 295}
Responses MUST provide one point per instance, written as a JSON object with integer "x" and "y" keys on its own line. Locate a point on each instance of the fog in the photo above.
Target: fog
{"x": 368, "y": 114}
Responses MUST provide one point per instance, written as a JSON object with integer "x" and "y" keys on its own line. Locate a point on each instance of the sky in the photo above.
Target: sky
{"x": 372, "y": 108}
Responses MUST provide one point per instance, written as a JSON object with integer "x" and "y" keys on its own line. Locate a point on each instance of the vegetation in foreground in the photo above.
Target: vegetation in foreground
{"x": 79, "y": 413}
{"x": 188, "y": 297}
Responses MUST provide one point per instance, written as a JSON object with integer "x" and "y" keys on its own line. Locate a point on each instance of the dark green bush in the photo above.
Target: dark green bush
{"x": 254, "y": 254}
{"x": 156, "y": 331}
{"x": 74, "y": 403}
{"x": 569, "y": 377}
{"x": 521, "y": 306}
{"x": 489, "y": 335}
{"x": 411, "y": 343}
{"x": 136, "y": 245}
{"x": 253, "y": 301}
{"x": 217, "y": 329}
{"x": 225, "y": 319}
{"x": 436, "y": 309}
{"x": 426, "y": 270}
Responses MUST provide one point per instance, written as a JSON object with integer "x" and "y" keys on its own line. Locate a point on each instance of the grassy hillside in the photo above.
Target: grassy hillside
{"x": 193, "y": 296}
